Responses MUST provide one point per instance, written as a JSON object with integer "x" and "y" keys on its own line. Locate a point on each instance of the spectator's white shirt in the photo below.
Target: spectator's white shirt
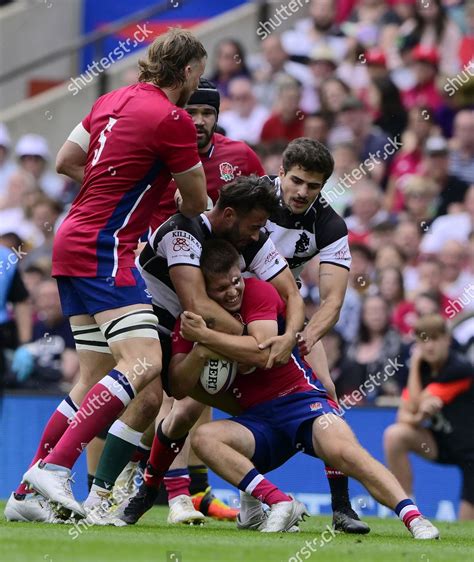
{"x": 13, "y": 220}
{"x": 299, "y": 41}
{"x": 447, "y": 227}
{"x": 353, "y": 222}
{"x": 246, "y": 129}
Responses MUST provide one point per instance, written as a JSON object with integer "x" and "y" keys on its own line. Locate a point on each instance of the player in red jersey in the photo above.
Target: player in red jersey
{"x": 284, "y": 409}
{"x": 138, "y": 137}
{"x": 223, "y": 159}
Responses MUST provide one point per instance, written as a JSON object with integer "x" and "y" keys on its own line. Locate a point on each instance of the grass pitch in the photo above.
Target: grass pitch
{"x": 152, "y": 540}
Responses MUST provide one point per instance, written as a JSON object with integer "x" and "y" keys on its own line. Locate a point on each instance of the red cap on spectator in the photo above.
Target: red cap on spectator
{"x": 423, "y": 53}
{"x": 375, "y": 56}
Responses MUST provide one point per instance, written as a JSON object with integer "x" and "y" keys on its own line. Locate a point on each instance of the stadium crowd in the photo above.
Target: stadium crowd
{"x": 389, "y": 88}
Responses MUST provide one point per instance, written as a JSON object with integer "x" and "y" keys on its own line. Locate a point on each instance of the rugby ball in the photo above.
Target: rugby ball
{"x": 218, "y": 374}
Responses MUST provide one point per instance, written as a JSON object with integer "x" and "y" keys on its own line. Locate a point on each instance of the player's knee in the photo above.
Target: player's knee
{"x": 144, "y": 368}
{"x": 202, "y": 438}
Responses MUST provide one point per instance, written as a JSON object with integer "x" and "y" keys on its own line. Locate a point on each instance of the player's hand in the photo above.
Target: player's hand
{"x": 192, "y": 326}
{"x": 280, "y": 349}
{"x": 305, "y": 342}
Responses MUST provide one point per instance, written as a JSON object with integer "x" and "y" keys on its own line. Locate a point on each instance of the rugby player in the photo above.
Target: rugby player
{"x": 284, "y": 409}
{"x": 436, "y": 416}
{"x": 138, "y": 137}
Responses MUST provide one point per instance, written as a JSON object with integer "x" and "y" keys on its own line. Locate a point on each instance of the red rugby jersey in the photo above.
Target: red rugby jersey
{"x": 224, "y": 161}
{"x": 261, "y": 301}
{"x": 137, "y": 139}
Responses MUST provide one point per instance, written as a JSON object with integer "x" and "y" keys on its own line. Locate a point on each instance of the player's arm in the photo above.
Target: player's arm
{"x": 281, "y": 346}
{"x": 243, "y": 349}
{"x": 318, "y": 361}
{"x": 193, "y": 191}
{"x": 72, "y": 156}
{"x": 189, "y": 285}
{"x": 185, "y": 370}
{"x": 333, "y": 281}
{"x": 177, "y": 140}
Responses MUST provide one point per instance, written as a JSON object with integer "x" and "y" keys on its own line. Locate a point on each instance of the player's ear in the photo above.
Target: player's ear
{"x": 281, "y": 172}
{"x": 229, "y": 214}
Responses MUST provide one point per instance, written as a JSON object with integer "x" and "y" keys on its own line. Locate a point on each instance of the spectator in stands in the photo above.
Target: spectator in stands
{"x": 408, "y": 160}
{"x": 381, "y": 237}
{"x": 287, "y": 119}
{"x": 420, "y": 201}
{"x": 436, "y": 411}
{"x": 366, "y": 211}
{"x": 230, "y": 63}
{"x": 322, "y": 64}
{"x": 15, "y": 208}
{"x": 33, "y": 156}
{"x": 317, "y": 126}
{"x": 44, "y": 214}
{"x": 402, "y": 311}
{"x": 275, "y": 63}
{"x": 407, "y": 238}
{"x": 320, "y": 29}
{"x": 461, "y": 160}
{"x": 336, "y": 190}
{"x": 33, "y": 276}
{"x": 389, "y": 256}
{"x": 6, "y": 165}
{"x": 456, "y": 280}
{"x": 430, "y": 278}
{"x": 365, "y": 21}
{"x": 271, "y": 156}
{"x": 333, "y": 92}
{"x": 334, "y": 346}
{"x": 435, "y": 165}
{"x": 376, "y": 345}
{"x": 369, "y": 139}
{"x": 14, "y": 329}
{"x": 50, "y": 359}
{"x": 425, "y": 91}
{"x": 451, "y": 227}
{"x": 386, "y": 105}
{"x": 434, "y": 28}
{"x": 245, "y": 117}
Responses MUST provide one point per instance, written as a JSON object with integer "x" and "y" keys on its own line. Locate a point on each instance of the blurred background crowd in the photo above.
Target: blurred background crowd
{"x": 389, "y": 87}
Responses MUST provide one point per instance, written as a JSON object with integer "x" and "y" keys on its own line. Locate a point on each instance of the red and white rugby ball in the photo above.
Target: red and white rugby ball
{"x": 218, "y": 375}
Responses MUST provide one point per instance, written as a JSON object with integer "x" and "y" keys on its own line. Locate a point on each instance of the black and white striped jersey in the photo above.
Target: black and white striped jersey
{"x": 178, "y": 241}
{"x": 300, "y": 237}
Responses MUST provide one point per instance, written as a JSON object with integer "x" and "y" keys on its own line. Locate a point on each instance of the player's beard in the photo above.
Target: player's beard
{"x": 206, "y": 139}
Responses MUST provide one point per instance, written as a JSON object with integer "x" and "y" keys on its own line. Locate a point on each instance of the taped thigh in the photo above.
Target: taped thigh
{"x": 135, "y": 324}
{"x": 90, "y": 338}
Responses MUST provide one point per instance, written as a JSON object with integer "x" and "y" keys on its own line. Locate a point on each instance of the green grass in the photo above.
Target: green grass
{"x": 152, "y": 540}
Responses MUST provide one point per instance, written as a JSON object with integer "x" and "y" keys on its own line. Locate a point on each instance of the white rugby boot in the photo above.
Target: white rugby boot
{"x": 283, "y": 516}
{"x": 182, "y": 511}
{"x": 32, "y": 507}
{"x": 54, "y": 483}
{"x": 423, "y": 529}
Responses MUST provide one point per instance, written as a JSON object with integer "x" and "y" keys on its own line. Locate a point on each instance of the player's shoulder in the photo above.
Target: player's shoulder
{"x": 258, "y": 290}
{"x": 322, "y": 213}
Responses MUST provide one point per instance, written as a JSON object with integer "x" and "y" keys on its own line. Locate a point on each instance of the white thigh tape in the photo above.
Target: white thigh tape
{"x": 136, "y": 324}
{"x": 90, "y": 338}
